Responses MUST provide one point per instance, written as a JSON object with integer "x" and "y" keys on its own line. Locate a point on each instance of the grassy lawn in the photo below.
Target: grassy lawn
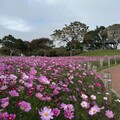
{"x": 101, "y": 53}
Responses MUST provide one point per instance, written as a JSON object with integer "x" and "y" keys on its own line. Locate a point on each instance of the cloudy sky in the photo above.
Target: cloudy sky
{"x": 29, "y": 19}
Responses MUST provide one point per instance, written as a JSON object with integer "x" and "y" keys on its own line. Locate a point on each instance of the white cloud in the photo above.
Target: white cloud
{"x": 15, "y": 24}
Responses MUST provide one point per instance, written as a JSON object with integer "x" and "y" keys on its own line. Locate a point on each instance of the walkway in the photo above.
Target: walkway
{"x": 115, "y": 77}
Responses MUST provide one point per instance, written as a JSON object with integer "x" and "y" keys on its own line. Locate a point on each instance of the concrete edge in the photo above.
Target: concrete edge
{"x": 118, "y": 95}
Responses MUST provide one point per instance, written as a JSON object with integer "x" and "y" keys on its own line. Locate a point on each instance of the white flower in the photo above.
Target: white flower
{"x": 107, "y": 93}
{"x": 93, "y": 97}
{"x": 105, "y": 98}
{"x": 84, "y": 96}
{"x": 84, "y": 104}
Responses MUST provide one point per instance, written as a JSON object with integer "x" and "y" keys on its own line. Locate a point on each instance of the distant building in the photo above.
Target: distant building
{"x": 110, "y": 44}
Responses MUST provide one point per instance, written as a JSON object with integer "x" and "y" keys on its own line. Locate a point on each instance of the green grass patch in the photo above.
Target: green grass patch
{"x": 101, "y": 53}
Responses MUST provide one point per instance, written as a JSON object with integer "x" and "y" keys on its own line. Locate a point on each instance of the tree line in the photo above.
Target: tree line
{"x": 71, "y": 40}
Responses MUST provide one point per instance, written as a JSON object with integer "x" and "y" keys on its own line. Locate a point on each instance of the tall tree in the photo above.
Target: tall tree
{"x": 73, "y": 32}
{"x": 12, "y": 44}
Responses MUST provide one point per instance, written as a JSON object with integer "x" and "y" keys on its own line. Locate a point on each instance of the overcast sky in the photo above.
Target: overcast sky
{"x": 29, "y": 19}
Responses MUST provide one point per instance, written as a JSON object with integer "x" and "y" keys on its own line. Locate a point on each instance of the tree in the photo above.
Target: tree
{"x": 95, "y": 39}
{"x": 12, "y": 44}
{"x": 113, "y": 32}
{"x": 41, "y": 43}
{"x": 73, "y": 32}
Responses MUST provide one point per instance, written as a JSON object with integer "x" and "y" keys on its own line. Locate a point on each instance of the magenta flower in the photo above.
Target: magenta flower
{"x": 56, "y": 112}
{"x": 109, "y": 114}
{"x": 25, "y": 106}
{"x": 46, "y": 113}
{"x": 14, "y": 93}
{"x": 55, "y": 92}
{"x": 11, "y": 117}
{"x": 68, "y": 114}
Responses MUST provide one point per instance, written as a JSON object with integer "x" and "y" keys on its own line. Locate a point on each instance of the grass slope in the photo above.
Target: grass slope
{"x": 101, "y": 53}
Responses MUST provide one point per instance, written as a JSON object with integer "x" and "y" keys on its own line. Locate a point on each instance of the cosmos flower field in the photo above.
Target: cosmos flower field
{"x": 58, "y": 88}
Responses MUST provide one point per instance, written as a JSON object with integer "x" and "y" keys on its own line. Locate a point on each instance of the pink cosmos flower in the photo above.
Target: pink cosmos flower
{"x": 94, "y": 110}
{"x": 68, "y": 114}
{"x": 46, "y": 113}
{"x": 25, "y": 106}
{"x": 4, "y": 104}
{"x": 43, "y": 80}
{"x": 38, "y": 95}
{"x": 33, "y": 71}
{"x": 56, "y": 112}
{"x": 109, "y": 114}
{"x": 14, "y": 93}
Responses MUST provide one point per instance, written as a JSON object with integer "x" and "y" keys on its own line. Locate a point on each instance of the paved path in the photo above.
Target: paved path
{"x": 115, "y": 77}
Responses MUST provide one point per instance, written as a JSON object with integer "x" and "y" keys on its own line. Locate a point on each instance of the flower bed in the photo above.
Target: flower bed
{"x": 52, "y": 88}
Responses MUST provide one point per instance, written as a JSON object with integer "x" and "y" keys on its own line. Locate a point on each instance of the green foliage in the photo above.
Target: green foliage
{"x": 13, "y": 44}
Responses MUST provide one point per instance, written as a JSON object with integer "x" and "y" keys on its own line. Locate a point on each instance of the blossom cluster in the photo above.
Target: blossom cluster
{"x": 48, "y": 88}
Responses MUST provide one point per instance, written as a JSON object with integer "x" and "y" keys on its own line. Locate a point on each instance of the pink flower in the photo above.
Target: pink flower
{"x": 14, "y": 93}
{"x": 68, "y": 114}
{"x": 4, "y": 104}
{"x": 94, "y": 110}
{"x": 46, "y": 113}
{"x": 55, "y": 92}
{"x": 38, "y": 95}
{"x": 33, "y": 71}
{"x": 56, "y": 112}
{"x": 109, "y": 114}
{"x": 43, "y": 80}
{"x": 25, "y": 106}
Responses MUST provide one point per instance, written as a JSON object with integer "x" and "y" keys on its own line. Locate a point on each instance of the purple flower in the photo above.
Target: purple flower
{"x": 14, "y": 93}
{"x": 25, "y": 106}
{"x": 68, "y": 114}
{"x": 46, "y": 113}
{"x": 56, "y": 112}
{"x": 109, "y": 114}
